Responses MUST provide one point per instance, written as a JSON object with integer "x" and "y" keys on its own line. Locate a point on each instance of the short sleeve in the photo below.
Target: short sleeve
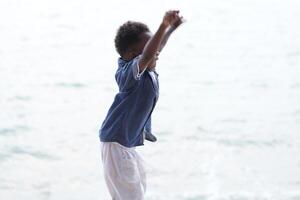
{"x": 128, "y": 74}
{"x": 135, "y": 68}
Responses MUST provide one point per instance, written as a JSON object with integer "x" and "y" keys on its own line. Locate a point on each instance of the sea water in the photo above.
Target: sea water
{"x": 227, "y": 119}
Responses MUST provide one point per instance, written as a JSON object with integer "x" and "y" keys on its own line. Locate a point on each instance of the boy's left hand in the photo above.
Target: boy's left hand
{"x": 177, "y": 23}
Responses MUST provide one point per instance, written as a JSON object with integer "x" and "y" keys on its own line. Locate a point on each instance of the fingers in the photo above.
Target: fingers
{"x": 171, "y": 17}
{"x": 174, "y": 14}
{"x": 178, "y": 22}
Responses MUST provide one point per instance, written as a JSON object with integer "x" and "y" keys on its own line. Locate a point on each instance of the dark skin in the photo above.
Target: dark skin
{"x": 150, "y": 45}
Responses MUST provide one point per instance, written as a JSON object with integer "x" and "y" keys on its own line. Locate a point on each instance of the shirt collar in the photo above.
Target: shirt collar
{"x": 121, "y": 61}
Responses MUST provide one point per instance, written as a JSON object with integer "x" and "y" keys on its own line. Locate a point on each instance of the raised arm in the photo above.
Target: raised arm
{"x": 154, "y": 43}
{"x": 172, "y": 28}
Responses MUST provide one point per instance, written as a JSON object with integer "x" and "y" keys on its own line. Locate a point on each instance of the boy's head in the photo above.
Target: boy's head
{"x": 131, "y": 39}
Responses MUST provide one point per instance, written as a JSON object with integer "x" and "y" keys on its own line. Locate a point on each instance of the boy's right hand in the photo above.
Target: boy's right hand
{"x": 171, "y": 17}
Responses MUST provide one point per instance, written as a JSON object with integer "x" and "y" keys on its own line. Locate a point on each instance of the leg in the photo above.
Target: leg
{"x": 123, "y": 172}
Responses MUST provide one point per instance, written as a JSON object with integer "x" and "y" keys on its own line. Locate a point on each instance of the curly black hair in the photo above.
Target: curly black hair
{"x": 128, "y": 34}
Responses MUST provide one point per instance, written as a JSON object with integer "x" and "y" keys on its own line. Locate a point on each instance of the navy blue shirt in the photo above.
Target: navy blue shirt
{"x": 130, "y": 113}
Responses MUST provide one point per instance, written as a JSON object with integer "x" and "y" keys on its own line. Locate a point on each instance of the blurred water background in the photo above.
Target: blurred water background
{"x": 228, "y": 117}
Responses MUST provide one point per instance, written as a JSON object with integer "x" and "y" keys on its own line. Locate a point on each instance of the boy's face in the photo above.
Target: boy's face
{"x": 138, "y": 48}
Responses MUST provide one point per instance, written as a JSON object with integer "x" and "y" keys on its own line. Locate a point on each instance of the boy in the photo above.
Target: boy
{"x": 128, "y": 121}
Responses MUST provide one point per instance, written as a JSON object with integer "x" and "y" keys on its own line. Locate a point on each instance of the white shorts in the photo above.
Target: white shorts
{"x": 124, "y": 171}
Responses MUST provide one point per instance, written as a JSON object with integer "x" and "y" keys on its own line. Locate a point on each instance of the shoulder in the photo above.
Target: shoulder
{"x": 124, "y": 63}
